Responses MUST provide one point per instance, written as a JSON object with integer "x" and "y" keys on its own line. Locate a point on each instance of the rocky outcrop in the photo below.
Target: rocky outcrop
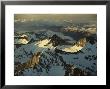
{"x": 29, "y": 64}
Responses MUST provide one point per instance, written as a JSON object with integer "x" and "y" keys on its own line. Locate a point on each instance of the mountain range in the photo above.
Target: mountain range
{"x": 60, "y": 54}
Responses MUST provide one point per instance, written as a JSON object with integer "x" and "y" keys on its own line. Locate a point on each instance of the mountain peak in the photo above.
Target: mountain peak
{"x": 56, "y": 40}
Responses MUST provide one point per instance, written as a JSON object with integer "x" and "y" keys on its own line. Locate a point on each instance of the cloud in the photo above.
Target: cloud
{"x": 58, "y": 17}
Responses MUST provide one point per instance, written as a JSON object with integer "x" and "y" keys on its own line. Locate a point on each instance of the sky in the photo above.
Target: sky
{"x": 58, "y": 17}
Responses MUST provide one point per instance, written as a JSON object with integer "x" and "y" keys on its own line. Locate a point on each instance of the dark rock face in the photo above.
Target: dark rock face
{"x": 55, "y": 40}
{"x": 92, "y": 39}
{"x": 72, "y": 71}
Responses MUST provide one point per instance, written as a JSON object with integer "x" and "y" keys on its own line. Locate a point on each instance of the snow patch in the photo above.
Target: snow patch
{"x": 72, "y": 49}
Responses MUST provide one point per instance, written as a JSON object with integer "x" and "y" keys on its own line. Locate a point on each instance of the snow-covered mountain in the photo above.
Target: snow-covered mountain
{"x": 57, "y": 51}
